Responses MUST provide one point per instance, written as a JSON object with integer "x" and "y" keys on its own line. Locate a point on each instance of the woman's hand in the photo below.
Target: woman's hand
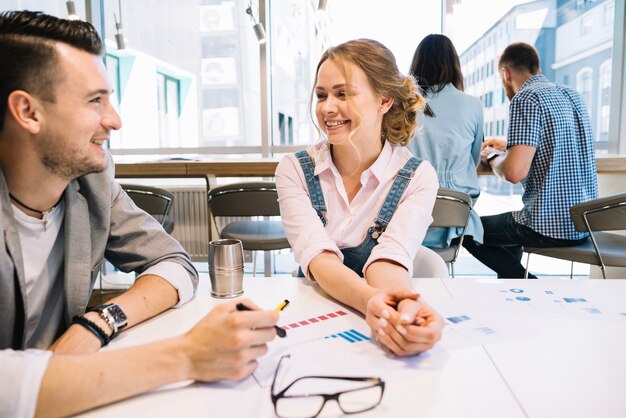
{"x": 402, "y": 322}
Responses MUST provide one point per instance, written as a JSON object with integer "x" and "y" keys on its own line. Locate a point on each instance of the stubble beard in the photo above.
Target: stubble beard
{"x": 65, "y": 163}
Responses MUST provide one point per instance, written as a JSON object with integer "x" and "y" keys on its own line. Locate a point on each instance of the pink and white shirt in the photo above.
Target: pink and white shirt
{"x": 348, "y": 221}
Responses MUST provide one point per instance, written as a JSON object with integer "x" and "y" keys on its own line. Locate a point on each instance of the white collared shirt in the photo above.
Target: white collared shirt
{"x": 348, "y": 221}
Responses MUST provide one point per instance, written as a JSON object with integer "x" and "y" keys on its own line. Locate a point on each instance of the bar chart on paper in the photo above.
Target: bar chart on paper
{"x": 553, "y": 298}
{"x": 351, "y": 336}
{"x": 333, "y": 342}
{"x": 314, "y": 320}
{"x": 327, "y": 325}
{"x": 315, "y": 336}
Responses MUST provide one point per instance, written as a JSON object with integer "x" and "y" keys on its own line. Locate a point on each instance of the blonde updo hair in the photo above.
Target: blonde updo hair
{"x": 385, "y": 79}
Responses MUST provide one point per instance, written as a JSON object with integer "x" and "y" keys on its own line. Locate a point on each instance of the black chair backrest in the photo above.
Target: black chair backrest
{"x": 244, "y": 199}
{"x": 155, "y": 201}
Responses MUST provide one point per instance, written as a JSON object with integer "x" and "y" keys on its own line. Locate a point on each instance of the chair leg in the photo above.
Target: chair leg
{"x": 571, "y": 272}
{"x": 452, "y": 269}
{"x": 267, "y": 255}
{"x": 253, "y": 263}
{"x": 527, "y": 263}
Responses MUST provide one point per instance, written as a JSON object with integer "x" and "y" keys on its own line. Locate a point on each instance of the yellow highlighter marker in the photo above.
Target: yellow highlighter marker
{"x": 282, "y": 305}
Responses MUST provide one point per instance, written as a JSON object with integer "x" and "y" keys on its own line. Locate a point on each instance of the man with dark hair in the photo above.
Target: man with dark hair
{"x": 549, "y": 149}
{"x": 61, "y": 213}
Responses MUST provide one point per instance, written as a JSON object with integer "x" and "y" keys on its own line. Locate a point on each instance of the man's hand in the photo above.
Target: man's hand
{"x": 498, "y": 143}
{"x": 485, "y": 153}
{"x": 402, "y": 323}
{"x": 226, "y": 343}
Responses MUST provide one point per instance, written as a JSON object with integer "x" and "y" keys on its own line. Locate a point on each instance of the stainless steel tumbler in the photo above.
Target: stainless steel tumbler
{"x": 226, "y": 268}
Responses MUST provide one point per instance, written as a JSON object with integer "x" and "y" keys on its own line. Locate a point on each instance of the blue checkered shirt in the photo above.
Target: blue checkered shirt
{"x": 553, "y": 118}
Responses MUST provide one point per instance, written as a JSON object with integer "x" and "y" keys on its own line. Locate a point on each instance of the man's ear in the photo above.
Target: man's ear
{"x": 506, "y": 74}
{"x": 385, "y": 104}
{"x": 25, "y": 110}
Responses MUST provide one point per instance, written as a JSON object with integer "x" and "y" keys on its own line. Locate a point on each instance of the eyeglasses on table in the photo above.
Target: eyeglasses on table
{"x": 297, "y": 401}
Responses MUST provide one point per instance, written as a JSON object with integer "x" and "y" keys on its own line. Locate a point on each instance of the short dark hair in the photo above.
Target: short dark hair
{"x": 29, "y": 60}
{"x": 520, "y": 57}
{"x": 435, "y": 64}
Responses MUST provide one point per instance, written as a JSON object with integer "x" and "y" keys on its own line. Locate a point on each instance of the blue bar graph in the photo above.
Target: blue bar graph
{"x": 574, "y": 300}
{"x": 457, "y": 319}
{"x": 352, "y": 336}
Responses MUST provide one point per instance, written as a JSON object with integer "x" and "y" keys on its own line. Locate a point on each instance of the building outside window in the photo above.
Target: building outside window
{"x": 586, "y": 25}
{"x": 169, "y": 105}
{"x": 584, "y": 84}
{"x": 604, "y": 100}
{"x": 190, "y": 80}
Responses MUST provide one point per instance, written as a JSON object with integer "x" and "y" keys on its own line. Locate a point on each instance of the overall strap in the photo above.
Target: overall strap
{"x": 403, "y": 177}
{"x": 313, "y": 183}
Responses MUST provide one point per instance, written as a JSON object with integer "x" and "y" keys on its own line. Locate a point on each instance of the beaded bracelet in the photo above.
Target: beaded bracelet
{"x": 93, "y": 327}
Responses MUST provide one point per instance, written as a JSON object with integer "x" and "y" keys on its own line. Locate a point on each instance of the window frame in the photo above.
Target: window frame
{"x": 617, "y": 128}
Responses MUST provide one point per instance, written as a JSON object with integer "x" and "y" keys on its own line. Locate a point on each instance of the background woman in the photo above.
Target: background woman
{"x": 346, "y": 211}
{"x": 451, "y": 132}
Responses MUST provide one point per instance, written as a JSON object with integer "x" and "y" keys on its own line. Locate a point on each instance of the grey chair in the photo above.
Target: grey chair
{"x": 429, "y": 264}
{"x": 452, "y": 210}
{"x": 155, "y": 201}
{"x": 601, "y": 248}
{"x": 257, "y": 201}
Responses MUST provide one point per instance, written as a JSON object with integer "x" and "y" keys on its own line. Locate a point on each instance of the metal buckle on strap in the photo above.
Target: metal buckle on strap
{"x": 402, "y": 171}
{"x": 375, "y": 231}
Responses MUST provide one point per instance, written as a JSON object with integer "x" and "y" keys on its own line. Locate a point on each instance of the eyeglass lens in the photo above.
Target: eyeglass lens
{"x": 297, "y": 403}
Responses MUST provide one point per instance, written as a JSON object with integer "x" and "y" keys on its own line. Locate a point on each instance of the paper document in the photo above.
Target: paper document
{"x": 333, "y": 342}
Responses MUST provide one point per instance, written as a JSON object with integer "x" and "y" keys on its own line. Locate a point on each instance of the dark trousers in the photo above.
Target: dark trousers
{"x": 503, "y": 244}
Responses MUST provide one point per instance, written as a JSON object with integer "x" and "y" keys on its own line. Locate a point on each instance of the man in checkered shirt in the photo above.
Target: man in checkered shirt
{"x": 549, "y": 149}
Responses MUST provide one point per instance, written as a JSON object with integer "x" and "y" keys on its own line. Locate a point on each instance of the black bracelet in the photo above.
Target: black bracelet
{"x": 91, "y": 326}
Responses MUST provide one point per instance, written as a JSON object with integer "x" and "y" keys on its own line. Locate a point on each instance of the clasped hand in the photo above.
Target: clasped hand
{"x": 403, "y": 322}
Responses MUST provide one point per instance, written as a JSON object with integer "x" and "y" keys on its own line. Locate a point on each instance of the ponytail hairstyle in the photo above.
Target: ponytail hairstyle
{"x": 436, "y": 64}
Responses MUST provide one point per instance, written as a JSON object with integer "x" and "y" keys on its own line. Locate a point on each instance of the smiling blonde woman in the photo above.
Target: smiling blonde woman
{"x": 357, "y": 204}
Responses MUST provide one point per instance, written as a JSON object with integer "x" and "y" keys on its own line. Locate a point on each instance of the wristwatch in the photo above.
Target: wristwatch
{"x": 113, "y": 315}
{"x": 492, "y": 155}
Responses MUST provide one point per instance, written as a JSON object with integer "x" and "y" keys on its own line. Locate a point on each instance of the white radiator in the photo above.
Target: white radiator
{"x": 191, "y": 227}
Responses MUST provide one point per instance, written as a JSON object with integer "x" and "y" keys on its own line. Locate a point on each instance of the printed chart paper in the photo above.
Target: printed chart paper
{"x": 553, "y": 299}
{"x": 333, "y": 342}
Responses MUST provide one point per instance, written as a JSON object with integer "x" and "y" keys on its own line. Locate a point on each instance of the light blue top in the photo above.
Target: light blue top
{"x": 451, "y": 142}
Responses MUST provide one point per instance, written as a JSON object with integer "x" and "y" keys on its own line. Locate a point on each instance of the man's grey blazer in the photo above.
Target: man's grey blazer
{"x": 101, "y": 221}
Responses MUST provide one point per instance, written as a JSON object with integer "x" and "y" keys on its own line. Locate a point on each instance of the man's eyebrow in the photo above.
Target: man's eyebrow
{"x": 100, "y": 91}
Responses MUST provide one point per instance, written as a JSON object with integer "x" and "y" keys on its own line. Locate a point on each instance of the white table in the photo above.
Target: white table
{"x": 510, "y": 358}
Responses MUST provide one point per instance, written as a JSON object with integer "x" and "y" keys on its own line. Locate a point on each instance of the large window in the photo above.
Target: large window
{"x": 574, "y": 40}
{"x": 194, "y": 78}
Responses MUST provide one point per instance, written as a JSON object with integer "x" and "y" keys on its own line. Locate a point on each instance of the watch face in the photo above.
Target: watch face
{"x": 493, "y": 155}
{"x": 118, "y": 314}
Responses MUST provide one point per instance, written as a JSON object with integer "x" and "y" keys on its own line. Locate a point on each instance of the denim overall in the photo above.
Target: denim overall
{"x": 355, "y": 257}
